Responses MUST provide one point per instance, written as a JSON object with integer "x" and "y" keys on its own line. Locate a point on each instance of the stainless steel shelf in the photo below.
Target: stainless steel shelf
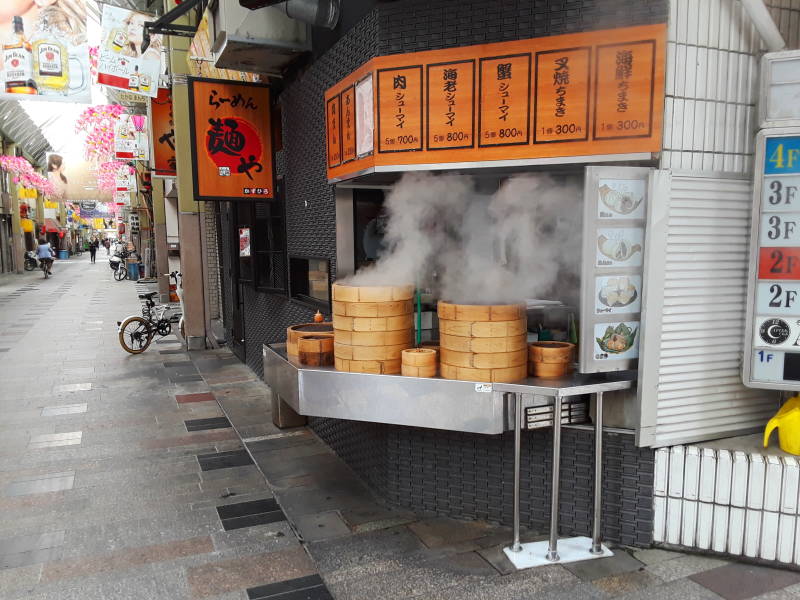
{"x": 433, "y": 402}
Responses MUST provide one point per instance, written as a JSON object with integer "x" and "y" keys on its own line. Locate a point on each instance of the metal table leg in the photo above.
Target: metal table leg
{"x": 552, "y": 549}
{"x": 597, "y": 547}
{"x": 516, "y": 546}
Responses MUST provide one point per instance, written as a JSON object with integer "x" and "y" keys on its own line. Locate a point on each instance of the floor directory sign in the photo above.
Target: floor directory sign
{"x": 772, "y": 337}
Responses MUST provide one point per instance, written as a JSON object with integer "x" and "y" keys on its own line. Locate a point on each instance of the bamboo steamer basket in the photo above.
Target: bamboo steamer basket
{"x": 419, "y": 362}
{"x": 349, "y": 352}
{"x": 373, "y": 309}
{"x": 295, "y": 332}
{"x": 489, "y": 329}
{"x": 376, "y": 367}
{"x": 372, "y": 326}
{"x": 549, "y": 359}
{"x": 372, "y": 293}
{"x": 491, "y": 360}
{"x": 480, "y": 312}
{"x": 507, "y": 375}
{"x": 316, "y": 350}
{"x": 483, "y": 342}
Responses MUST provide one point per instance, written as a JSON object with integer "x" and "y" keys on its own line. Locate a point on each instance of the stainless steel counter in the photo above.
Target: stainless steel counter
{"x": 418, "y": 401}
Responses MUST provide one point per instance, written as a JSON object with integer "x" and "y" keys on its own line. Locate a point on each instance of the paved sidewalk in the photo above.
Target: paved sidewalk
{"x": 136, "y": 477}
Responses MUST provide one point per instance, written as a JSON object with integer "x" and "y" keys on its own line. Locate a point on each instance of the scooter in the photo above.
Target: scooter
{"x": 117, "y": 264}
{"x": 31, "y": 262}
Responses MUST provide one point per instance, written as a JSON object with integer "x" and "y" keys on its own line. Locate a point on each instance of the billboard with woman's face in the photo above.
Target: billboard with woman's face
{"x": 45, "y": 55}
{"x": 123, "y": 63}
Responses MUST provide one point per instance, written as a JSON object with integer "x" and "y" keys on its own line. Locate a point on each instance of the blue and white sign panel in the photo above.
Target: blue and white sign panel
{"x": 772, "y": 336}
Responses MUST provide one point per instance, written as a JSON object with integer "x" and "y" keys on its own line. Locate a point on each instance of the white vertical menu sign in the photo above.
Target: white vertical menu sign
{"x": 772, "y": 335}
{"x": 614, "y": 217}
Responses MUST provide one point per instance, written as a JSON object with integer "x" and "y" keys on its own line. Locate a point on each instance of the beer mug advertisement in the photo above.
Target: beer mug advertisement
{"x": 45, "y": 55}
{"x": 126, "y": 60}
{"x": 231, "y": 140}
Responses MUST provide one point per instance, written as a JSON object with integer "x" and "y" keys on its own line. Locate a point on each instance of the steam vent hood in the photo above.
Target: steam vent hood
{"x": 267, "y": 39}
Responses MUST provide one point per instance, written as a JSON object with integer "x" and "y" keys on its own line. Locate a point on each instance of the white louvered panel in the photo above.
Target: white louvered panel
{"x": 695, "y": 291}
{"x": 786, "y": 14}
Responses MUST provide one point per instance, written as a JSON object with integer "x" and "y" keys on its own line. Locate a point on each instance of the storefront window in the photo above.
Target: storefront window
{"x": 310, "y": 279}
{"x": 368, "y": 223}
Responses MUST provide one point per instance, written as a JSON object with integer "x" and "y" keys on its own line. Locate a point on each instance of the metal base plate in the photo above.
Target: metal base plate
{"x": 534, "y": 554}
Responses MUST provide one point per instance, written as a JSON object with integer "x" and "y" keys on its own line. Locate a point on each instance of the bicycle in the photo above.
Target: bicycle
{"x": 137, "y": 332}
{"x": 46, "y": 264}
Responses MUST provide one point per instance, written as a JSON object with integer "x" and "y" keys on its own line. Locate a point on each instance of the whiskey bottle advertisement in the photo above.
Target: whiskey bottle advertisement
{"x": 45, "y": 52}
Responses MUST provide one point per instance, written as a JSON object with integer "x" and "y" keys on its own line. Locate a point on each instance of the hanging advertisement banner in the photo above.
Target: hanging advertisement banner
{"x": 562, "y": 96}
{"x": 121, "y": 63}
{"x": 45, "y": 54}
{"x": 231, "y": 132}
{"x": 244, "y": 241}
{"x": 56, "y": 173}
{"x": 163, "y": 136}
{"x": 125, "y": 180}
{"x": 130, "y": 138}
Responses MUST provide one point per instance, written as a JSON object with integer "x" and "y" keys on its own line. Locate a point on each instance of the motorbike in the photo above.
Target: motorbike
{"x": 31, "y": 262}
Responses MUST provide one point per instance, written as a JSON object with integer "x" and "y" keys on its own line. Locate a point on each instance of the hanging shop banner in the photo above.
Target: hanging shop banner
{"x": 614, "y": 218}
{"x": 45, "y": 53}
{"x": 122, "y": 63}
{"x": 131, "y": 140}
{"x": 231, "y": 140}
{"x": 125, "y": 180}
{"x": 572, "y": 95}
{"x": 163, "y": 142}
{"x": 772, "y": 335}
{"x": 56, "y": 173}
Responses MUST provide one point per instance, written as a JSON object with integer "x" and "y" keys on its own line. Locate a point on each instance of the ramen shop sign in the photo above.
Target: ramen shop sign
{"x": 231, "y": 140}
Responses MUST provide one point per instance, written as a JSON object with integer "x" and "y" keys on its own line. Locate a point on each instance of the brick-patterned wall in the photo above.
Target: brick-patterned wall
{"x": 211, "y": 248}
{"x": 416, "y": 25}
{"x": 471, "y": 476}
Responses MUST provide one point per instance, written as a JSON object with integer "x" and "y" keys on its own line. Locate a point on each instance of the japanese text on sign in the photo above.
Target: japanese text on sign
{"x": 504, "y": 111}
{"x": 232, "y": 150}
{"x": 623, "y": 103}
{"x": 562, "y": 95}
{"x": 348, "y": 119}
{"x": 334, "y": 123}
{"x": 451, "y": 105}
{"x": 400, "y": 109}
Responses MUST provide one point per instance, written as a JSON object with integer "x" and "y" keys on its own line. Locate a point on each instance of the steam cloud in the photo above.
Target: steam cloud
{"x": 472, "y": 246}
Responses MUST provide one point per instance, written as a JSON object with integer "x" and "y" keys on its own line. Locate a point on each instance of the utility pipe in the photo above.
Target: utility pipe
{"x": 764, "y": 24}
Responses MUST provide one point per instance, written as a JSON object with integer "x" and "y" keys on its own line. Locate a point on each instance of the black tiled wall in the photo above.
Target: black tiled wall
{"x": 471, "y": 476}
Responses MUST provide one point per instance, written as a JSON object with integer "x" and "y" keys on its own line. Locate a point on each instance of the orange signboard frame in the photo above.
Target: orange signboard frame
{"x": 231, "y": 129}
{"x": 593, "y": 77}
{"x": 163, "y": 132}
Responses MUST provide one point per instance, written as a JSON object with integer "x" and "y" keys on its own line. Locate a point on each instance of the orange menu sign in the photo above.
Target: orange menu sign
{"x": 562, "y": 95}
{"x": 567, "y": 96}
{"x": 349, "y": 124}
{"x": 333, "y": 122}
{"x": 624, "y": 97}
{"x": 399, "y": 109}
{"x": 450, "y": 103}
{"x": 505, "y": 106}
{"x": 231, "y": 131}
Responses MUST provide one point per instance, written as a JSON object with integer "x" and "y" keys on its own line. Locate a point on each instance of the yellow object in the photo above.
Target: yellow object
{"x": 26, "y": 225}
{"x": 787, "y": 420}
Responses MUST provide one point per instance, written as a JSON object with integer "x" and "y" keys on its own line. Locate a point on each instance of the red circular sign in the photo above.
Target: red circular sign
{"x": 231, "y": 139}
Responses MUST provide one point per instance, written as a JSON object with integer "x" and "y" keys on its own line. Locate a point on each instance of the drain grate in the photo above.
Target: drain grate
{"x": 224, "y": 460}
{"x": 250, "y": 514}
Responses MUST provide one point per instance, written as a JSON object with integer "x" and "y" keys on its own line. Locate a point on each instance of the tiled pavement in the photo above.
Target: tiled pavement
{"x": 125, "y": 477}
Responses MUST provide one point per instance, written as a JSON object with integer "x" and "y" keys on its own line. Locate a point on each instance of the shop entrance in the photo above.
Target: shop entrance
{"x": 242, "y": 222}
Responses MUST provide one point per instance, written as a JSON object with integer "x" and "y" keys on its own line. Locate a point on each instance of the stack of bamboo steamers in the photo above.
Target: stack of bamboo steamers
{"x": 483, "y": 342}
{"x": 372, "y": 326}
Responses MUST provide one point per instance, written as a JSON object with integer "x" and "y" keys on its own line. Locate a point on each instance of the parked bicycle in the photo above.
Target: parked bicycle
{"x": 117, "y": 264}
{"x": 137, "y": 332}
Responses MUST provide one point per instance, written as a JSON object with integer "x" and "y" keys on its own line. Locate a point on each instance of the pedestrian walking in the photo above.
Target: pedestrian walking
{"x": 107, "y": 244}
{"x": 93, "y": 245}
